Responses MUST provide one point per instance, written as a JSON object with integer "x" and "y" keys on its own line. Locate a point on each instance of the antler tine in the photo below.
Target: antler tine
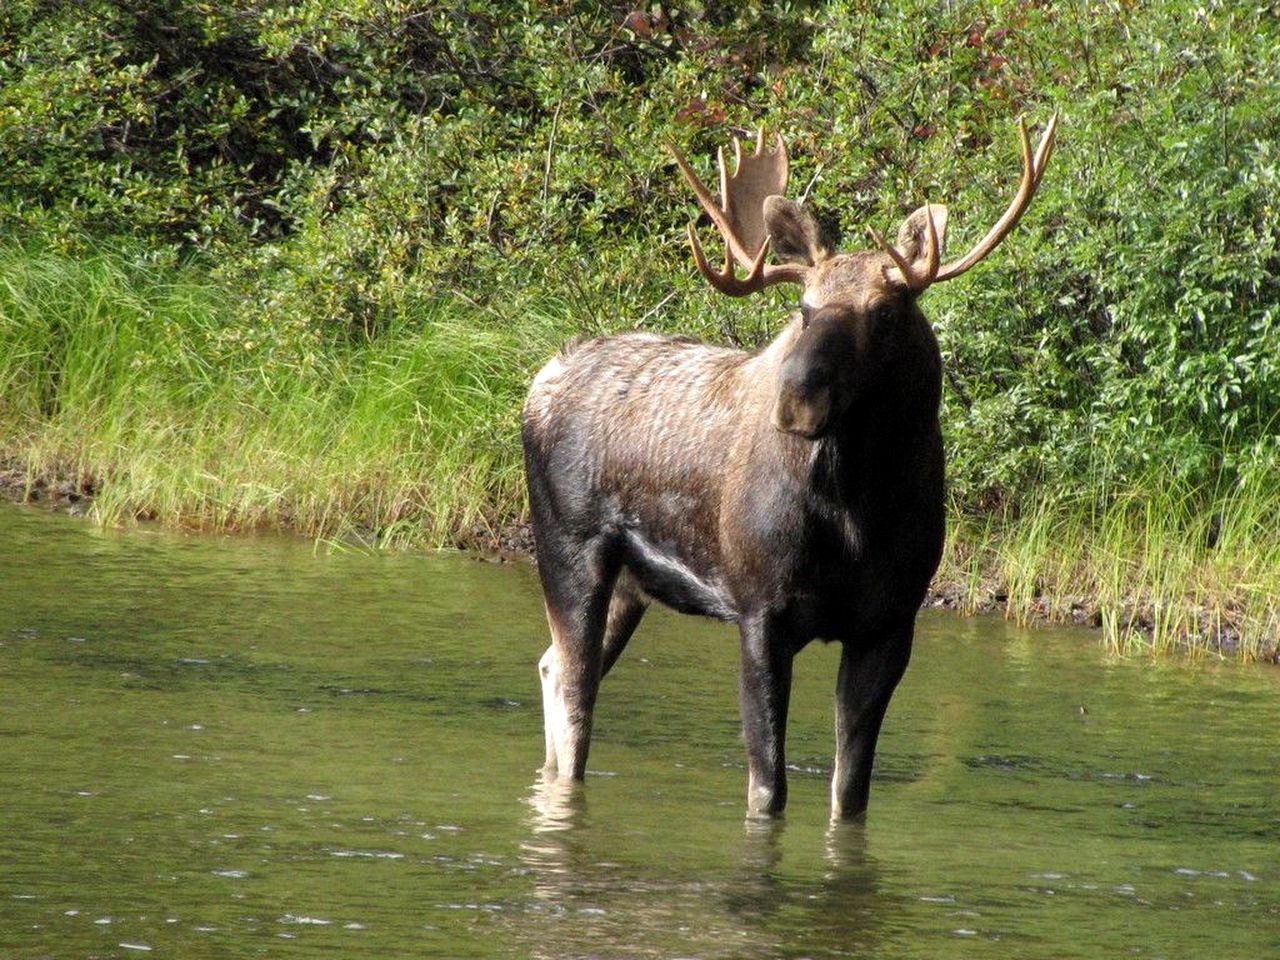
{"x": 708, "y": 203}
{"x": 1033, "y": 167}
{"x": 780, "y": 145}
{"x": 727, "y": 281}
{"x": 730, "y": 233}
{"x": 899, "y": 260}
{"x": 933, "y": 251}
{"x": 1045, "y": 147}
{"x": 705, "y": 200}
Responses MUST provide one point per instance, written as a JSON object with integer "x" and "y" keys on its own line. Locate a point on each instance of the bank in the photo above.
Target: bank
{"x": 134, "y": 394}
{"x": 988, "y": 569}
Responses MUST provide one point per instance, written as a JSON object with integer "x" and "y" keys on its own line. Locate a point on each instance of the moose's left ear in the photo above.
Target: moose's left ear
{"x": 797, "y": 238}
{"x": 913, "y": 240}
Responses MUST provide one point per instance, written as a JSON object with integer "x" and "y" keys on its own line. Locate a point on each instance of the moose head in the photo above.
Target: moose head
{"x": 846, "y": 296}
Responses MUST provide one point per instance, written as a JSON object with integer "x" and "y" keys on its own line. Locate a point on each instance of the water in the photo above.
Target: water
{"x": 245, "y": 748}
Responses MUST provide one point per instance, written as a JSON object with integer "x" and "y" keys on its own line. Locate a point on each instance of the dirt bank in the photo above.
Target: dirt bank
{"x": 514, "y": 543}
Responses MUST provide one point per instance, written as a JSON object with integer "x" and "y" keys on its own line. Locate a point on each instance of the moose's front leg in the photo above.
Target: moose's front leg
{"x": 764, "y": 694}
{"x": 868, "y": 676}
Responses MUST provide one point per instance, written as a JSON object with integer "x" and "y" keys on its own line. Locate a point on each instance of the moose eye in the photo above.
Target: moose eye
{"x": 881, "y": 313}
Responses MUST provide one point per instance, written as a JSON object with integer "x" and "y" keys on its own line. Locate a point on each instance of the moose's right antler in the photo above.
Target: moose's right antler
{"x": 1033, "y": 167}
{"x": 740, "y": 219}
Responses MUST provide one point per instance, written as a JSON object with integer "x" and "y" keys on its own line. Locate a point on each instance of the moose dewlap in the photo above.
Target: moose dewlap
{"x": 796, "y": 491}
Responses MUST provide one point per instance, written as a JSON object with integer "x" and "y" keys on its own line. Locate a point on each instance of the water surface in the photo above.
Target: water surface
{"x": 254, "y": 748}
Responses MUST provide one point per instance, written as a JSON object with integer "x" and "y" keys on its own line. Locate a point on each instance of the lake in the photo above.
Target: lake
{"x": 258, "y": 747}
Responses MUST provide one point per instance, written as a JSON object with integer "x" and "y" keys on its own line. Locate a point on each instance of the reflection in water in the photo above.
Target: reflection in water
{"x": 846, "y": 846}
{"x": 841, "y": 905}
{"x": 762, "y": 843}
{"x": 593, "y": 898}
{"x": 556, "y": 802}
{"x": 550, "y": 853}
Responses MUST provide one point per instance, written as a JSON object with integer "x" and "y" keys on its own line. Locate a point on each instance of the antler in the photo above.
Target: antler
{"x": 915, "y": 281}
{"x": 1033, "y": 168}
{"x": 740, "y": 219}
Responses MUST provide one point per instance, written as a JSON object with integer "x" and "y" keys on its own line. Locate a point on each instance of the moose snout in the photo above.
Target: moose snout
{"x": 805, "y": 399}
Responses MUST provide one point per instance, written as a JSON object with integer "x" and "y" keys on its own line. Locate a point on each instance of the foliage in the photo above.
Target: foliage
{"x": 349, "y": 171}
{"x": 1139, "y": 335}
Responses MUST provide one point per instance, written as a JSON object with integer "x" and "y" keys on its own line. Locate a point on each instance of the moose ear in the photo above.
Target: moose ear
{"x": 913, "y": 238}
{"x": 797, "y": 237}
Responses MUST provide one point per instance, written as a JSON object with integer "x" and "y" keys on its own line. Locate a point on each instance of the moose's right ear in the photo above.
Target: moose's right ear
{"x": 796, "y": 235}
{"x": 913, "y": 240}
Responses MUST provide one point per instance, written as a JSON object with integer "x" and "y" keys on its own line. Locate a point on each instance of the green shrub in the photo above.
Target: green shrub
{"x": 341, "y": 166}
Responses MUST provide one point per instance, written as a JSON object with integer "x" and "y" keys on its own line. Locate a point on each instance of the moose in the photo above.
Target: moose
{"x": 796, "y": 491}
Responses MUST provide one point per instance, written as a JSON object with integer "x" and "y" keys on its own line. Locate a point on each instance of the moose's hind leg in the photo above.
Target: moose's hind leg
{"x": 570, "y": 673}
{"x": 577, "y": 607}
{"x": 626, "y": 607}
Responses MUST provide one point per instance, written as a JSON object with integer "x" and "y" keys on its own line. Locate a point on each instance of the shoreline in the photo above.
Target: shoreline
{"x": 513, "y": 543}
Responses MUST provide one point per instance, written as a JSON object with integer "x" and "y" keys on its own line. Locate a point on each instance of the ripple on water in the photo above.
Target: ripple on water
{"x": 370, "y": 854}
{"x": 303, "y": 920}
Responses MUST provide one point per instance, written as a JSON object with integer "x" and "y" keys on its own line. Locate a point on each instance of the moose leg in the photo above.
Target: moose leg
{"x": 570, "y": 672}
{"x": 570, "y": 669}
{"x": 626, "y": 607}
{"x": 553, "y": 717}
{"x": 764, "y": 694}
{"x": 867, "y": 679}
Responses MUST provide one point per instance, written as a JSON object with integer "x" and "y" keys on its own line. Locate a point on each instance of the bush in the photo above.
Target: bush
{"x": 1140, "y": 333}
{"x": 342, "y": 165}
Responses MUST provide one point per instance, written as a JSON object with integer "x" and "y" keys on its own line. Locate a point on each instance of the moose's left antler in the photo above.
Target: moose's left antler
{"x": 740, "y": 217}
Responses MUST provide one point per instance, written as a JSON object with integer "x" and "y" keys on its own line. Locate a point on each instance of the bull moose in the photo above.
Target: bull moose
{"x": 796, "y": 491}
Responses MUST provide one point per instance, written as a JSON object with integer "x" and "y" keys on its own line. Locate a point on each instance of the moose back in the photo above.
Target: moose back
{"x": 796, "y": 491}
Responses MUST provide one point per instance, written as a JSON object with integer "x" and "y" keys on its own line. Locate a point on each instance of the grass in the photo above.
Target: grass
{"x": 1160, "y": 569}
{"x": 143, "y": 387}
{"x": 139, "y": 382}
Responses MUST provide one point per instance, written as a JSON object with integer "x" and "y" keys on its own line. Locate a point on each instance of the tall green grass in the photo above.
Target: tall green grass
{"x": 139, "y": 380}
{"x": 1160, "y": 568}
{"x": 142, "y": 384}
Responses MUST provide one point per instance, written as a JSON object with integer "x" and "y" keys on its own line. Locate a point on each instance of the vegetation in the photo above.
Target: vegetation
{"x": 140, "y": 387}
{"x": 292, "y": 263}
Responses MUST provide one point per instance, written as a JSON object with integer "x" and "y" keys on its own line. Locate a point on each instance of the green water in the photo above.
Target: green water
{"x": 251, "y": 748}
